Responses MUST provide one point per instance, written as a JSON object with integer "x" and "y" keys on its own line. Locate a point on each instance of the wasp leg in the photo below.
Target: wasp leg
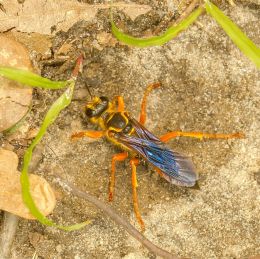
{"x": 159, "y": 172}
{"x": 200, "y": 135}
{"x": 88, "y": 133}
{"x": 149, "y": 88}
{"x": 134, "y": 162}
{"x": 119, "y": 102}
{"x": 117, "y": 157}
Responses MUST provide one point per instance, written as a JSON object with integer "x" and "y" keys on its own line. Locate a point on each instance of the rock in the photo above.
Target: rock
{"x": 10, "y": 188}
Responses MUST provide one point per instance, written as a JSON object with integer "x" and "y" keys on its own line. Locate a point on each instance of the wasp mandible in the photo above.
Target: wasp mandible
{"x": 137, "y": 143}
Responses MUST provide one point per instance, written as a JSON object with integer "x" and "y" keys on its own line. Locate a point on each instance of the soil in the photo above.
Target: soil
{"x": 208, "y": 85}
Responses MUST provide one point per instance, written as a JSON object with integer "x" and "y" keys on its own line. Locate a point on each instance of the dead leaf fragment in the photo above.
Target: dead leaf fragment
{"x": 10, "y": 188}
{"x": 14, "y": 98}
{"x": 64, "y": 49}
{"x": 35, "y": 42}
{"x": 35, "y": 238}
{"x": 106, "y": 39}
{"x": 41, "y": 15}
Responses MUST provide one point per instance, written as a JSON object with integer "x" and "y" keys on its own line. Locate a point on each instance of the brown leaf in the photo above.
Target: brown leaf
{"x": 14, "y": 98}
{"x": 41, "y": 15}
{"x": 8, "y": 161}
{"x": 11, "y": 193}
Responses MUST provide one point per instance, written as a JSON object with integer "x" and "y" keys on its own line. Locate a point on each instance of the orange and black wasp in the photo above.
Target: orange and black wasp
{"x": 138, "y": 143}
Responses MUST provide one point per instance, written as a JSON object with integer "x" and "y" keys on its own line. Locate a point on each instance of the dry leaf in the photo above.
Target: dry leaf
{"x": 14, "y": 99}
{"x": 8, "y": 161}
{"x": 41, "y": 15}
{"x": 36, "y": 43}
{"x": 106, "y": 39}
{"x": 10, "y": 188}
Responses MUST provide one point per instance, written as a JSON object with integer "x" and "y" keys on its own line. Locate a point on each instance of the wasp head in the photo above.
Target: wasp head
{"x": 97, "y": 106}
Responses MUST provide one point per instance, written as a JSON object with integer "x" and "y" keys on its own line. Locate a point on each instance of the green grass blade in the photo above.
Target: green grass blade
{"x": 62, "y": 102}
{"x": 156, "y": 40}
{"x": 30, "y": 79}
{"x": 236, "y": 35}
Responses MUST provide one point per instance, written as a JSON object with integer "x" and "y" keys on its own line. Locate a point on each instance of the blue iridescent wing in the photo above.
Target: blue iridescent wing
{"x": 175, "y": 167}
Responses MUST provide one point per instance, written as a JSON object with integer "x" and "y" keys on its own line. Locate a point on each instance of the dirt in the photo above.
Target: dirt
{"x": 207, "y": 85}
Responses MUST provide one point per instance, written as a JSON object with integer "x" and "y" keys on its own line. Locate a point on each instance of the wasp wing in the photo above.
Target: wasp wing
{"x": 175, "y": 168}
{"x": 142, "y": 132}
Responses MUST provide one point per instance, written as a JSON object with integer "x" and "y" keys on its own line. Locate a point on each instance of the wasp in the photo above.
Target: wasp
{"x": 138, "y": 143}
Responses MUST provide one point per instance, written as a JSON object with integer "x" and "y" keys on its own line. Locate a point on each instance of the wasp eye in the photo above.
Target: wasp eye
{"x": 104, "y": 99}
{"x": 90, "y": 113}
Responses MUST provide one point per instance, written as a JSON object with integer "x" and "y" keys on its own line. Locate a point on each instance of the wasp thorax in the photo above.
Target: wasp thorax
{"x": 117, "y": 121}
{"x": 96, "y": 108}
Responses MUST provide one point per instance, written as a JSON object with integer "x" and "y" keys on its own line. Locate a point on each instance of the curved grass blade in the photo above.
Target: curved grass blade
{"x": 30, "y": 79}
{"x": 62, "y": 102}
{"x": 156, "y": 40}
{"x": 236, "y": 35}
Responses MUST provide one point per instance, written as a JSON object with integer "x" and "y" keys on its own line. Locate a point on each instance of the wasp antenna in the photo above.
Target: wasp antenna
{"x": 88, "y": 90}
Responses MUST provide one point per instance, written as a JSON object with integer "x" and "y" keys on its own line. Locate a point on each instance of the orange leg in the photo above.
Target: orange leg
{"x": 168, "y": 136}
{"x": 88, "y": 133}
{"x": 159, "y": 172}
{"x": 134, "y": 162}
{"x": 119, "y": 101}
{"x": 149, "y": 88}
{"x": 117, "y": 157}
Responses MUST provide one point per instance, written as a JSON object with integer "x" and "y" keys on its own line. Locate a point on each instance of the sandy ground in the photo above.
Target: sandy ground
{"x": 207, "y": 85}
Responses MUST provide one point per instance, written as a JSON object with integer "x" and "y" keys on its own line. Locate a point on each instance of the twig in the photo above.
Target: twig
{"x": 187, "y": 11}
{"x": 184, "y": 14}
{"x": 120, "y": 220}
{"x": 7, "y": 235}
